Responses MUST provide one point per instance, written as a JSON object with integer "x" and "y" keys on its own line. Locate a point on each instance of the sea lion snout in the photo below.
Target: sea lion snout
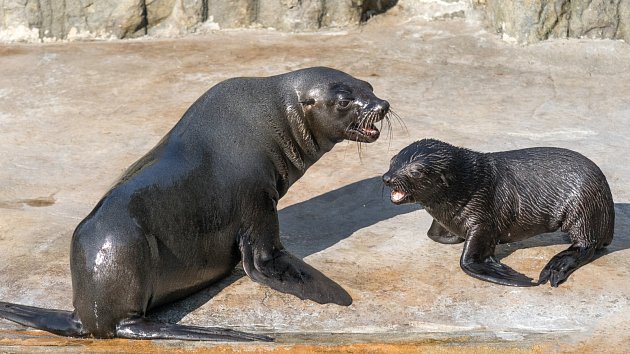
{"x": 399, "y": 193}
{"x": 380, "y": 106}
{"x": 371, "y": 110}
{"x": 387, "y": 178}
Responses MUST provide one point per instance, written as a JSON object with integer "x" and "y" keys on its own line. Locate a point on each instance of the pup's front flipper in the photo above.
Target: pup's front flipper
{"x": 439, "y": 233}
{"x": 266, "y": 261}
{"x": 478, "y": 261}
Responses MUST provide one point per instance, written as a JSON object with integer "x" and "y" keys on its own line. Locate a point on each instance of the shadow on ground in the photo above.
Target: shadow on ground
{"x": 621, "y": 238}
{"x": 320, "y": 222}
{"x": 310, "y": 227}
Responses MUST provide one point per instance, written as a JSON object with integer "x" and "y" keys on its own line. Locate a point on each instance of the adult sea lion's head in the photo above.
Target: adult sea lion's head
{"x": 420, "y": 172}
{"x": 338, "y": 106}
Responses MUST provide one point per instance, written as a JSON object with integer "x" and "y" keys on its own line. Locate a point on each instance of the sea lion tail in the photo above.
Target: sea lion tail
{"x": 141, "y": 328}
{"x": 54, "y": 321}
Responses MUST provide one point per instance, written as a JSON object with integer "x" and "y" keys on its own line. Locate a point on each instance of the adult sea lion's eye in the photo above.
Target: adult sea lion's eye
{"x": 343, "y": 103}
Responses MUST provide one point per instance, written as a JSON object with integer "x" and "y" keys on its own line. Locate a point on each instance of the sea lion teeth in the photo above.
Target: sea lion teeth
{"x": 397, "y": 196}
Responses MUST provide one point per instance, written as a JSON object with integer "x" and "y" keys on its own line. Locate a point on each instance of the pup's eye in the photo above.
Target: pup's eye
{"x": 343, "y": 103}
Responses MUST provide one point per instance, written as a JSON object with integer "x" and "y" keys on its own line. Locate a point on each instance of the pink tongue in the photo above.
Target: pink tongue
{"x": 398, "y": 195}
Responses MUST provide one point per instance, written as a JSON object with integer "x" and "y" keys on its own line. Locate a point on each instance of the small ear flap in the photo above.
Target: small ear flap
{"x": 308, "y": 101}
{"x": 444, "y": 179}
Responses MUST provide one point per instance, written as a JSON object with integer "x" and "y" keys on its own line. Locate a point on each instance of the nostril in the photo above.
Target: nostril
{"x": 384, "y": 106}
{"x": 387, "y": 178}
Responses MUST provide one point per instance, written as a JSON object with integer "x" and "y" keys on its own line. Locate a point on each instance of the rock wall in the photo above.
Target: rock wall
{"x": 525, "y": 21}
{"x": 529, "y": 21}
{"x": 32, "y": 20}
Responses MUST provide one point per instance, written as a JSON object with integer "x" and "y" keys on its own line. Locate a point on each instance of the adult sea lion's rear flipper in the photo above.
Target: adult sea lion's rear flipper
{"x": 54, "y": 321}
{"x": 284, "y": 272}
{"x": 64, "y": 323}
{"x": 141, "y": 328}
{"x": 478, "y": 261}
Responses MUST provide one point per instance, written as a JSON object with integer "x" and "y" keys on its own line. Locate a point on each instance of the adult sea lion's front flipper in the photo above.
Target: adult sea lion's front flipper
{"x": 266, "y": 261}
{"x": 284, "y": 272}
{"x": 478, "y": 261}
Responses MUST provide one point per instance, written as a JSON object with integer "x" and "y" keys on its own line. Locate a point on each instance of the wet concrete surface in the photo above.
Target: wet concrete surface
{"x": 73, "y": 116}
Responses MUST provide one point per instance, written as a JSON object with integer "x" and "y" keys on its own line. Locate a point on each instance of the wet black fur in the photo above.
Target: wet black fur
{"x": 484, "y": 199}
{"x": 203, "y": 200}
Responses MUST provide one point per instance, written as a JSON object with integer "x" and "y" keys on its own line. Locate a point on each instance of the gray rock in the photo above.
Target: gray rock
{"x": 623, "y": 31}
{"x": 58, "y": 19}
{"x": 524, "y": 20}
{"x": 70, "y": 19}
{"x": 118, "y": 18}
{"x": 232, "y": 14}
{"x": 289, "y": 15}
{"x": 535, "y": 20}
{"x": 174, "y": 17}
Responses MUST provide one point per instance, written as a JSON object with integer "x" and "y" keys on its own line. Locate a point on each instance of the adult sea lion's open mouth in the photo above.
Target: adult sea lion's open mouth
{"x": 363, "y": 133}
{"x": 398, "y": 196}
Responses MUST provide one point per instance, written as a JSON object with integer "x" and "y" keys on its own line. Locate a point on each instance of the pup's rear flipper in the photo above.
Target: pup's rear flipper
{"x": 564, "y": 263}
{"x": 54, "y": 321}
{"x": 141, "y": 328}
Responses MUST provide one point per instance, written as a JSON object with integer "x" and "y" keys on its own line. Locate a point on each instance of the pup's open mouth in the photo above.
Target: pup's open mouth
{"x": 398, "y": 196}
{"x": 362, "y": 133}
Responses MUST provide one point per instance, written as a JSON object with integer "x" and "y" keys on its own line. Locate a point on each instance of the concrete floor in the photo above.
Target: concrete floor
{"x": 74, "y": 116}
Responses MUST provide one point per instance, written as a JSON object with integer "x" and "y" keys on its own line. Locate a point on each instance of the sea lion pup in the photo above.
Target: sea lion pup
{"x": 204, "y": 199}
{"x": 484, "y": 199}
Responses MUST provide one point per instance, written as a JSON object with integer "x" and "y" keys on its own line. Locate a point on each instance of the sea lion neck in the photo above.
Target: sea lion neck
{"x": 289, "y": 144}
{"x": 300, "y": 128}
{"x": 294, "y": 134}
{"x": 467, "y": 171}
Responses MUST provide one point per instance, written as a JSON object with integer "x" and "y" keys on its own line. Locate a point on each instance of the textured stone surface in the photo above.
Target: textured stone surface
{"x": 521, "y": 20}
{"x": 74, "y": 116}
{"x": 435, "y": 9}
{"x": 23, "y": 20}
{"x": 535, "y": 20}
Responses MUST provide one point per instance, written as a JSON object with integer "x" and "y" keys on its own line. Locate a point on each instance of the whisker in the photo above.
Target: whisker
{"x": 400, "y": 121}
{"x": 390, "y": 132}
{"x": 345, "y": 150}
{"x": 349, "y": 125}
{"x": 366, "y": 120}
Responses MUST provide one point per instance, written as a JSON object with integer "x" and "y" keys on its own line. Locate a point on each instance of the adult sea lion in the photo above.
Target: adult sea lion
{"x": 205, "y": 198}
{"x": 484, "y": 199}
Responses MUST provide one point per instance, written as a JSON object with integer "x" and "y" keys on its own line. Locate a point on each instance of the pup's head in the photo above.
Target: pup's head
{"x": 419, "y": 172}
